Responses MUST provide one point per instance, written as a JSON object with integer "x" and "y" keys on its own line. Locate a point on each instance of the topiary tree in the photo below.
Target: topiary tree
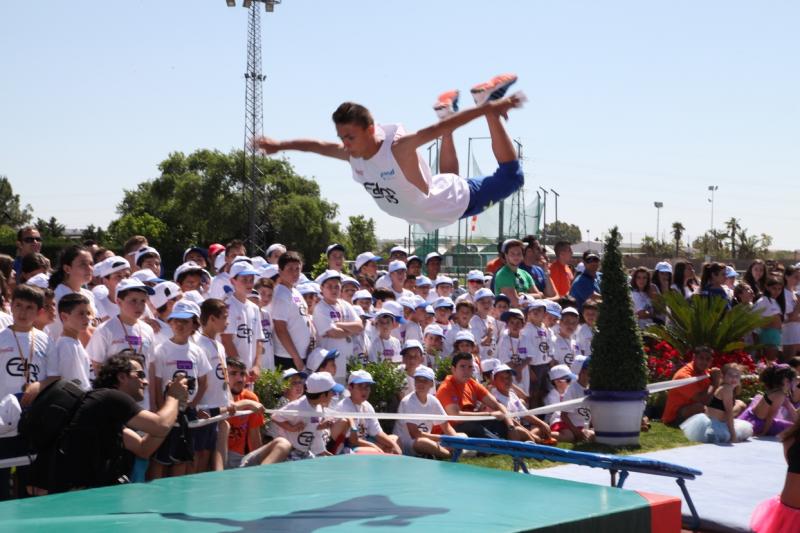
{"x": 618, "y": 361}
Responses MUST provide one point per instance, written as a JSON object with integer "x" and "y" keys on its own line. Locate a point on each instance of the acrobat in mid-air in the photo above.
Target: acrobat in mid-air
{"x": 385, "y": 160}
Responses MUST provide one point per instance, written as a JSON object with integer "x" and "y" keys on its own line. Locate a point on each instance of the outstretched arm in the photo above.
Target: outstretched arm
{"x": 329, "y": 149}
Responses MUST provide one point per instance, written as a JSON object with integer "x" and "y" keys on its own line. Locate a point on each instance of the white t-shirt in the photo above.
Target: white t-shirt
{"x": 290, "y": 307}
{"x": 541, "y": 341}
{"x": 564, "y": 350}
{"x": 55, "y": 328}
{"x": 244, "y": 323}
{"x": 410, "y": 404}
{"x": 69, "y": 360}
{"x": 641, "y": 302}
{"x": 217, "y": 394}
{"x": 268, "y": 355}
{"x": 164, "y": 334}
{"x": 384, "y": 350}
{"x": 218, "y": 286}
{"x": 106, "y": 309}
{"x": 170, "y": 358}
{"x": 450, "y": 337}
{"x": 325, "y": 318}
{"x": 767, "y": 306}
{"x": 309, "y": 439}
{"x": 381, "y": 176}
{"x": 512, "y": 403}
{"x": 511, "y": 350}
{"x": 110, "y": 338}
{"x": 410, "y": 331}
{"x": 479, "y": 327}
{"x": 12, "y": 362}
{"x": 5, "y": 320}
{"x": 367, "y": 427}
{"x": 579, "y": 416}
{"x": 584, "y": 335}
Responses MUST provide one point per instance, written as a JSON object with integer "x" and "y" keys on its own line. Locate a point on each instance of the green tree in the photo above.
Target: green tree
{"x": 752, "y": 246}
{"x": 50, "y": 229}
{"x": 654, "y": 248}
{"x": 711, "y": 243}
{"x": 12, "y": 213}
{"x": 618, "y": 361}
{"x": 361, "y": 235}
{"x": 733, "y": 227}
{"x": 142, "y": 224}
{"x": 198, "y": 199}
{"x": 561, "y": 231}
{"x": 96, "y": 234}
{"x": 677, "y": 235}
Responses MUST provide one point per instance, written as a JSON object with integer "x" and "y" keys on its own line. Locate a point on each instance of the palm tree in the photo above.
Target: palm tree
{"x": 733, "y": 227}
{"x": 677, "y": 235}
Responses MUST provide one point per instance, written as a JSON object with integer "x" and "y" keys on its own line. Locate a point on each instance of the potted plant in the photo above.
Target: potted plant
{"x": 617, "y": 369}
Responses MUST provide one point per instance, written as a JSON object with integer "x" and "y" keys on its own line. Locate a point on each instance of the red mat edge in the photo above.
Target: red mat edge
{"x": 665, "y": 512}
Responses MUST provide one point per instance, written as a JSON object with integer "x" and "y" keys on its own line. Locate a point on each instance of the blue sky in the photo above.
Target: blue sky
{"x": 630, "y": 102}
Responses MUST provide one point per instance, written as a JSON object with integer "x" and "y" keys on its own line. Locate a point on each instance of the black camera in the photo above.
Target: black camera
{"x": 191, "y": 382}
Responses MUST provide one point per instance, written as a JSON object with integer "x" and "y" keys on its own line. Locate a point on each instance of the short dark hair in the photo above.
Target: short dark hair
{"x": 211, "y": 307}
{"x": 29, "y": 293}
{"x": 134, "y": 243}
{"x": 460, "y": 356}
{"x": 113, "y": 366}
{"x": 772, "y": 377}
{"x": 235, "y": 243}
{"x": 34, "y": 261}
{"x": 288, "y": 257}
{"x": 235, "y": 363}
{"x": 352, "y": 113}
{"x": 561, "y": 245}
{"x": 381, "y": 294}
{"x": 465, "y": 303}
{"x": 264, "y": 283}
{"x": 71, "y": 301}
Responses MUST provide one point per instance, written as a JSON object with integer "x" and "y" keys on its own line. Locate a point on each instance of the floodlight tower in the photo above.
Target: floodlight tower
{"x": 255, "y": 192}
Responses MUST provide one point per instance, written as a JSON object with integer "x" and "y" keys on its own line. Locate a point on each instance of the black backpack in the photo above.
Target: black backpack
{"x": 49, "y": 415}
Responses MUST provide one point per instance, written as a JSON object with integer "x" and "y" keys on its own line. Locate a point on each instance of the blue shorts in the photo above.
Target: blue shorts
{"x": 486, "y": 191}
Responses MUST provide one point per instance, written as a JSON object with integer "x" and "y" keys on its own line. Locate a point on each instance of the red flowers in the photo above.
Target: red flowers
{"x": 663, "y": 361}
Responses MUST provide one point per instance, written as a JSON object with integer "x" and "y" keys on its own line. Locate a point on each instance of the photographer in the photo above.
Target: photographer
{"x": 98, "y": 446}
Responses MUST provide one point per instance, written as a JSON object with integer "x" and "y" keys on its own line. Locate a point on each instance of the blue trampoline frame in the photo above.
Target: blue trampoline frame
{"x": 613, "y": 463}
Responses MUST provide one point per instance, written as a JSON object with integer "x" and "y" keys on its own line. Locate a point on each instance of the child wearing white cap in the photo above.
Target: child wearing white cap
{"x": 309, "y": 435}
{"x": 516, "y": 349}
{"x": 566, "y": 347}
{"x": 568, "y": 425}
{"x": 417, "y": 437}
{"x": 412, "y": 359}
{"x": 266, "y": 288}
{"x": 586, "y": 330}
{"x": 422, "y": 287}
{"x": 483, "y": 325}
{"x": 384, "y": 346}
{"x": 244, "y": 336}
{"x": 397, "y": 277}
{"x": 126, "y": 331}
{"x": 443, "y": 309}
{"x": 164, "y": 297}
{"x": 461, "y": 320}
{"x": 336, "y": 322}
{"x": 110, "y": 271}
{"x": 542, "y": 342}
{"x": 433, "y": 340}
{"x": 444, "y": 286}
{"x": 528, "y": 428}
{"x": 368, "y": 430}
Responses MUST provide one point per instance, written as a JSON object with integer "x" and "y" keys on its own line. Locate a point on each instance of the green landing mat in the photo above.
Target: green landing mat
{"x": 342, "y": 493}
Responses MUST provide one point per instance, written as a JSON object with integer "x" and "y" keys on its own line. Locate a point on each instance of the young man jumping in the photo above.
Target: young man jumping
{"x": 385, "y": 160}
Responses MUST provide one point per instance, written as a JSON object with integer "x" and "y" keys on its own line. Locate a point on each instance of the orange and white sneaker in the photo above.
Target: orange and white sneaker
{"x": 493, "y": 89}
{"x": 446, "y": 104}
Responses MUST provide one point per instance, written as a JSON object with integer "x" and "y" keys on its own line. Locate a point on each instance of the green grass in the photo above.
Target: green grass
{"x": 660, "y": 437}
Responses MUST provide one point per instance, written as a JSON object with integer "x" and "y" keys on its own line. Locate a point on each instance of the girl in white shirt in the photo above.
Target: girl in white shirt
{"x": 74, "y": 271}
{"x": 791, "y": 319}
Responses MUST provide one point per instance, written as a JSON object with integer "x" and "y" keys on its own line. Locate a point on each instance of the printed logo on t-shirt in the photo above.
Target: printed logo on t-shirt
{"x": 133, "y": 340}
{"x": 423, "y": 427}
{"x": 15, "y": 367}
{"x": 381, "y": 193}
{"x": 305, "y": 438}
{"x": 569, "y": 358}
{"x": 184, "y": 365}
{"x": 388, "y": 353}
{"x": 544, "y": 347}
{"x": 387, "y": 174}
{"x": 335, "y": 314}
{"x": 220, "y": 372}
{"x": 243, "y": 331}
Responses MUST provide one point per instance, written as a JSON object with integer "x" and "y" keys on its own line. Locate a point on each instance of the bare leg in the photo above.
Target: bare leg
{"x": 425, "y": 446}
{"x": 502, "y": 146}
{"x": 277, "y": 451}
{"x": 221, "y": 453}
{"x": 448, "y": 160}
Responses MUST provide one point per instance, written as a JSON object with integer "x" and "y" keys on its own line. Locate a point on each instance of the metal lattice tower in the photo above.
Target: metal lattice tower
{"x": 517, "y": 220}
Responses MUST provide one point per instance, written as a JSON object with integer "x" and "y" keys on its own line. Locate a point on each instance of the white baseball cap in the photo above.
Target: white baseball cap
{"x": 443, "y": 280}
{"x": 398, "y": 249}
{"x": 434, "y": 329}
{"x": 289, "y": 372}
{"x": 269, "y": 271}
{"x": 663, "y": 266}
{"x": 411, "y": 343}
{"x": 475, "y": 275}
{"x": 407, "y": 302}
{"x": 432, "y": 255}
{"x": 443, "y": 301}
{"x": 730, "y": 272}
{"x": 365, "y": 258}
{"x": 353, "y": 281}
{"x": 419, "y": 301}
{"x": 219, "y": 262}
{"x": 132, "y": 284}
{"x": 488, "y": 365}
{"x": 184, "y": 309}
{"x": 322, "y": 382}
{"x": 483, "y": 292}
{"x": 258, "y": 262}
{"x": 553, "y": 308}
{"x": 537, "y": 303}
{"x": 360, "y": 376}
{"x": 164, "y": 292}
{"x": 147, "y": 276}
{"x": 274, "y": 247}
{"x": 41, "y": 280}
{"x": 513, "y": 312}
{"x": 396, "y": 265}
{"x": 328, "y": 274}
{"x": 308, "y": 287}
{"x": 423, "y": 371}
{"x": 465, "y": 335}
{"x": 332, "y": 247}
{"x": 190, "y": 266}
{"x": 560, "y": 372}
{"x": 423, "y": 281}
{"x": 193, "y": 296}
{"x": 10, "y": 413}
{"x": 362, "y": 294}
{"x": 502, "y": 368}
{"x": 110, "y": 265}
{"x": 429, "y": 309}
{"x": 242, "y": 268}
{"x": 570, "y": 311}
{"x": 319, "y": 356}
{"x": 144, "y": 251}
{"x": 394, "y": 309}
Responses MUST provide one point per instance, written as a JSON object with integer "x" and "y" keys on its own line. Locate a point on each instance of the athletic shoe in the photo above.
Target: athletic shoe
{"x": 446, "y": 104}
{"x": 493, "y": 89}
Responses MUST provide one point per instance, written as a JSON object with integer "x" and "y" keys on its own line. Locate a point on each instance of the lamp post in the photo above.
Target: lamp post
{"x": 544, "y": 209}
{"x": 556, "y": 195}
{"x": 658, "y": 206}
{"x": 712, "y": 188}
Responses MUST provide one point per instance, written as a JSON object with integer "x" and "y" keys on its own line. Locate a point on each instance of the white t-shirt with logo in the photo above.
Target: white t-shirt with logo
{"x": 381, "y": 176}
{"x": 542, "y": 343}
{"x": 584, "y": 336}
{"x": 268, "y": 355}
{"x": 219, "y": 284}
{"x": 410, "y": 331}
{"x": 410, "y": 404}
{"x": 450, "y": 337}
{"x": 217, "y": 394}
{"x": 170, "y": 358}
{"x": 511, "y": 350}
{"x": 579, "y": 415}
{"x": 325, "y": 318}
{"x": 565, "y": 350}
{"x": 384, "y": 350}
{"x": 244, "y": 323}
{"x": 309, "y": 439}
{"x": 290, "y": 307}
{"x": 479, "y": 327}
{"x": 512, "y": 402}
{"x": 367, "y": 427}
{"x": 15, "y": 354}
{"x": 69, "y": 360}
